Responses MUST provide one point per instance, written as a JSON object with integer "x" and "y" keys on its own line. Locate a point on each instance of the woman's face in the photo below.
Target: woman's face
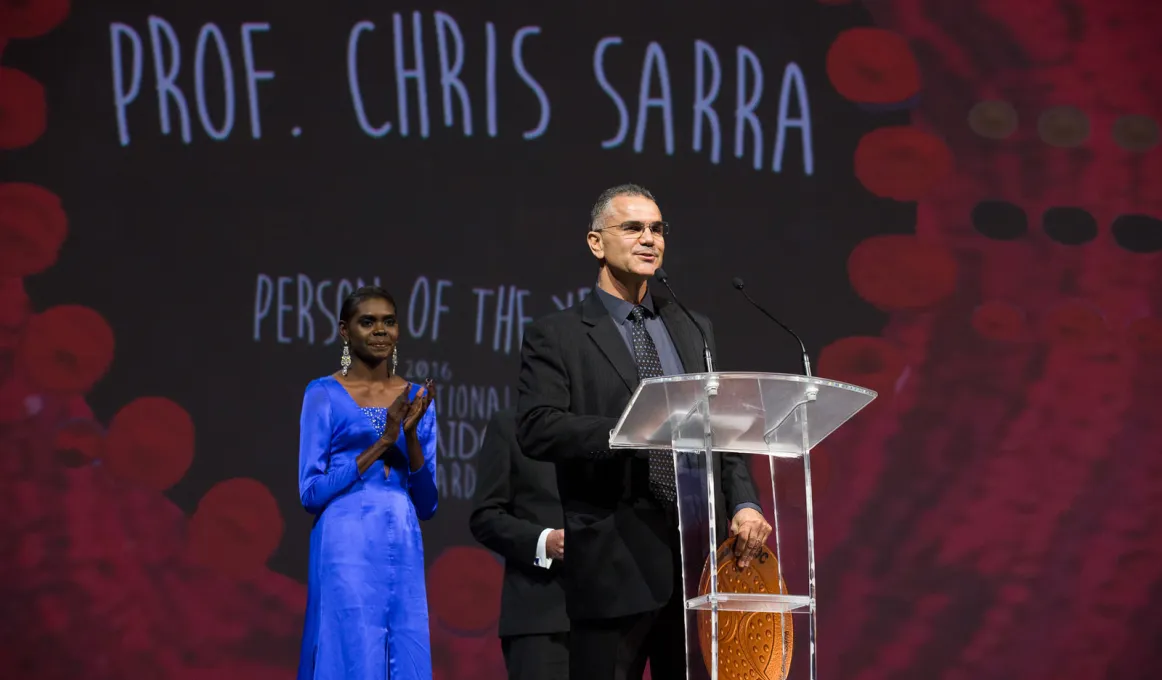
{"x": 372, "y": 330}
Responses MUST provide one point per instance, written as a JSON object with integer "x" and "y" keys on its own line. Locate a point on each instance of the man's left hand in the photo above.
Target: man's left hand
{"x": 751, "y": 531}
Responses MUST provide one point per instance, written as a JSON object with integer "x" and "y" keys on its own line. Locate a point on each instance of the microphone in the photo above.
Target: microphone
{"x": 806, "y": 360}
{"x": 660, "y": 275}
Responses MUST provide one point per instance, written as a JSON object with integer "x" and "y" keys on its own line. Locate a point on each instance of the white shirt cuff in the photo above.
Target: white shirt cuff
{"x": 542, "y": 558}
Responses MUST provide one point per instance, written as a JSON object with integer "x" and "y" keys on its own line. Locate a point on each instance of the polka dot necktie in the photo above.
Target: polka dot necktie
{"x": 645, "y": 354}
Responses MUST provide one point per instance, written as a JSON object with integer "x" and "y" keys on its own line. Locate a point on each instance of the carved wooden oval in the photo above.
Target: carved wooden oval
{"x": 751, "y": 645}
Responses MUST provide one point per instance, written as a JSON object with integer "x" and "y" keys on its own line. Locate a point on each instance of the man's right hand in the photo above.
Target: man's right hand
{"x": 555, "y": 544}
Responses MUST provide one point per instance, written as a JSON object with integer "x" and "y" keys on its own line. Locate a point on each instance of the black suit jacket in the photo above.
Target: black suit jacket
{"x": 516, "y": 500}
{"x": 576, "y": 377}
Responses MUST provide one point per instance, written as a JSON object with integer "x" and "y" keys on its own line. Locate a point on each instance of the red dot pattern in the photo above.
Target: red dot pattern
{"x": 79, "y": 442}
{"x": 150, "y": 442}
{"x": 66, "y": 348}
{"x": 1015, "y": 475}
{"x": 1074, "y": 323}
{"x": 23, "y": 110}
{"x": 105, "y": 577}
{"x": 33, "y": 225}
{"x": 236, "y": 527}
{"x": 1145, "y": 337}
{"x": 467, "y": 599}
{"x": 873, "y": 66}
{"x": 31, "y": 18}
{"x": 1000, "y": 321}
{"x": 899, "y": 272}
{"x": 902, "y": 163}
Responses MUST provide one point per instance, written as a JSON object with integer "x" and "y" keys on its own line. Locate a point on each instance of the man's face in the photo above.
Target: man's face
{"x": 630, "y": 240}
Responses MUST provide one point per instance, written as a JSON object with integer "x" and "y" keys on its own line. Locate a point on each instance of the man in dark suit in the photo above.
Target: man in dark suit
{"x": 579, "y": 367}
{"x": 518, "y": 515}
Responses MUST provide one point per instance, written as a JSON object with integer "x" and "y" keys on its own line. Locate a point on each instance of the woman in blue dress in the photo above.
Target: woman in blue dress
{"x": 367, "y": 471}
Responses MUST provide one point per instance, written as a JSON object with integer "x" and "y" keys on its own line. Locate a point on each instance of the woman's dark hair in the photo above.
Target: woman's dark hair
{"x": 358, "y": 296}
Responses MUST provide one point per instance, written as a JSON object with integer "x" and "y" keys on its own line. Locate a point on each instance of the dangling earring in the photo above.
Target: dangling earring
{"x": 394, "y": 359}
{"x": 345, "y": 360}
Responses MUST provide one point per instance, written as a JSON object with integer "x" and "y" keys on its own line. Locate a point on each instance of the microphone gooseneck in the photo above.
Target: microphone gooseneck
{"x": 741, "y": 287}
{"x": 660, "y": 275}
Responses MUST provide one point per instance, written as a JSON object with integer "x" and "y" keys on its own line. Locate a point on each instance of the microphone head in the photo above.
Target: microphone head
{"x": 737, "y": 282}
{"x": 660, "y": 274}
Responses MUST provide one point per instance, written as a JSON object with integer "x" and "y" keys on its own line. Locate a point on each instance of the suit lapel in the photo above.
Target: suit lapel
{"x": 687, "y": 339}
{"x": 604, "y": 332}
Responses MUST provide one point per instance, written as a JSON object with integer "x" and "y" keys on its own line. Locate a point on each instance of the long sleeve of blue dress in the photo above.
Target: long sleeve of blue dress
{"x": 422, "y": 482}
{"x": 321, "y": 478}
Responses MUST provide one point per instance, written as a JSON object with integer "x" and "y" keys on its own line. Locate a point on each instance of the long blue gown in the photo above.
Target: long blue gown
{"x": 367, "y": 605}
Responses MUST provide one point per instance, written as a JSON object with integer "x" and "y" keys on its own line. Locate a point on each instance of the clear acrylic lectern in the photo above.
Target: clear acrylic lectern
{"x": 700, "y": 416}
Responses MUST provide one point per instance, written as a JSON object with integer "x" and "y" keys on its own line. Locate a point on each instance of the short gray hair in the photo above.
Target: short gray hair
{"x": 611, "y": 193}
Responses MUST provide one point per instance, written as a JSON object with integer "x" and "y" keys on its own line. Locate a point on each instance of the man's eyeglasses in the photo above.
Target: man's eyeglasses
{"x": 634, "y": 229}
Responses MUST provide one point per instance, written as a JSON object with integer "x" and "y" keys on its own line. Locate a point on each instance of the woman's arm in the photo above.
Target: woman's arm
{"x": 322, "y": 479}
{"x": 421, "y": 450}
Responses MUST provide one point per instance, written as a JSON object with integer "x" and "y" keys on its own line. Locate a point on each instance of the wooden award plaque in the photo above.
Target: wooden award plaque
{"x": 752, "y": 645}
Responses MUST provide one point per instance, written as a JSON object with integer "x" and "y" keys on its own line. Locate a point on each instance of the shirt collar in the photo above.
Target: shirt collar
{"x": 619, "y": 309}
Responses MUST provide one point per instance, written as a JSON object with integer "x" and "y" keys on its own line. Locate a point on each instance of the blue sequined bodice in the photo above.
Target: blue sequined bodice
{"x": 378, "y": 417}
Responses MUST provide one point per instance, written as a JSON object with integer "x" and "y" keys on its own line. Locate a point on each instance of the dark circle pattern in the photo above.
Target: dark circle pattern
{"x": 1069, "y": 226}
{"x": 1000, "y": 220}
{"x": 993, "y": 119}
{"x": 1138, "y": 233}
{"x": 1136, "y": 133}
{"x": 1063, "y": 127}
